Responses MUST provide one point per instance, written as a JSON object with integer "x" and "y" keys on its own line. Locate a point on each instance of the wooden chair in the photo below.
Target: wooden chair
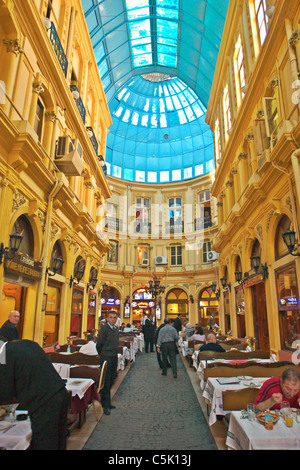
{"x": 73, "y": 348}
{"x": 74, "y": 359}
{"x": 101, "y": 385}
{"x": 238, "y": 399}
{"x": 231, "y": 355}
{"x": 79, "y": 341}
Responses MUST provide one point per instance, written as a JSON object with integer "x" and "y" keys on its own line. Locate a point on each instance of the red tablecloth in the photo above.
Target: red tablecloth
{"x": 81, "y": 404}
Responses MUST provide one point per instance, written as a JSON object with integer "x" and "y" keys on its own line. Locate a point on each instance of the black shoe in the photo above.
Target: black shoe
{"x": 163, "y": 373}
{"x": 106, "y": 411}
{"x": 175, "y": 376}
{"x": 112, "y": 407}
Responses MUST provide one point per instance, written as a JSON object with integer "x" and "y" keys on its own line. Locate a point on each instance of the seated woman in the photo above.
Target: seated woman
{"x": 198, "y": 335}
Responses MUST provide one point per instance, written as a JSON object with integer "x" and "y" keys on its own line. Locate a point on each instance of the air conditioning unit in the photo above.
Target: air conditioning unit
{"x": 161, "y": 260}
{"x": 68, "y": 156}
{"x": 212, "y": 256}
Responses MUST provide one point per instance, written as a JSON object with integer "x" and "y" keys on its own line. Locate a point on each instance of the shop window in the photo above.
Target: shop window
{"x": 288, "y": 305}
{"x": 52, "y": 310}
{"x": 76, "y": 311}
{"x": 177, "y": 302}
{"x": 208, "y": 304}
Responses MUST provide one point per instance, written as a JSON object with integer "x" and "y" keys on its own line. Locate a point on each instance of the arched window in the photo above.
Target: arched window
{"x": 280, "y": 247}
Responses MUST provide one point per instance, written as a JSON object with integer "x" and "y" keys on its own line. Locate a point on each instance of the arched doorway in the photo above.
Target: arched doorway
{"x": 110, "y": 300}
{"x": 20, "y": 273}
{"x": 256, "y": 282}
{"x": 207, "y": 304}
{"x": 142, "y": 302}
{"x": 77, "y": 298}
{"x": 177, "y": 302}
{"x": 53, "y": 299}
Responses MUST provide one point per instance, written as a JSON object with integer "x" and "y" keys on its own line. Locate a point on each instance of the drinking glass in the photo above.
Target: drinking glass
{"x": 284, "y": 408}
{"x": 12, "y": 411}
{"x": 251, "y": 411}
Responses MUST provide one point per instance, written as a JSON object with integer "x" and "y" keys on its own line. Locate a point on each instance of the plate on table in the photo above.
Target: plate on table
{"x": 261, "y": 417}
{"x": 244, "y": 377}
{"x": 252, "y": 384}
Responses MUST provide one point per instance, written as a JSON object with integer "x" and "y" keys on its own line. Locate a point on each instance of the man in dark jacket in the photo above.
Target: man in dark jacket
{"x": 107, "y": 347}
{"x": 9, "y": 329}
{"x": 150, "y": 326}
{"x": 28, "y": 377}
{"x": 177, "y": 324}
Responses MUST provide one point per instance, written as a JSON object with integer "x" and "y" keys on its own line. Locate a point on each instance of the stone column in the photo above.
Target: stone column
{"x": 37, "y": 89}
{"x": 220, "y": 213}
{"x": 252, "y": 151}
{"x": 243, "y": 170}
{"x": 229, "y": 195}
{"x": 8, "y": 71}
{"x": 236, "y": 188}
{"x": 50, "y": 118}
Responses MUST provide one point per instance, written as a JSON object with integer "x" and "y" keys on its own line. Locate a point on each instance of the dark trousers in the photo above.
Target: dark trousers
{"x": 149, "y": 341}
{"x": 168, "y": 351}
{"x": 111, "y": 372}
{"x": 49, "y": 423}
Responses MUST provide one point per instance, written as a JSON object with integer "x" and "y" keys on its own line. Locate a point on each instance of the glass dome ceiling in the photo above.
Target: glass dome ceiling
{"x": 159, "y": 132}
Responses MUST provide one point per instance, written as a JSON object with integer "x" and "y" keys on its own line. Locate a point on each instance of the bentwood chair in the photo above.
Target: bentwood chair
{"x": 101, "y": 385}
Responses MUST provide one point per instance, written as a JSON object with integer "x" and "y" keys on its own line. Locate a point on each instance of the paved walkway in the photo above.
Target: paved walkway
{"x": 153, "y": 412}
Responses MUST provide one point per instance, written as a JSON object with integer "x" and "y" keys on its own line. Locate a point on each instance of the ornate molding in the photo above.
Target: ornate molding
{"x": 37, "y": 87}
{"x": 13, "y": 45}
{"x": 18, "y": 200}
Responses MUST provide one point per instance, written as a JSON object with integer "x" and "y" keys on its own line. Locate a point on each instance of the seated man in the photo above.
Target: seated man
{"x": 90, "y": 347}
{"x": 211, "y": 344}
{"x": 278, "y": 389}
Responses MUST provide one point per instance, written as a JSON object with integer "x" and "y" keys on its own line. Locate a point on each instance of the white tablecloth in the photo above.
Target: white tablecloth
{"x": 202, "y": 365}
{"x": 213, "y": 393}
{"x": 78, "y": 386}
{"x": 245, "y": 435}
{"x": 18, "y": 437}
{"x": 62, "y": 369}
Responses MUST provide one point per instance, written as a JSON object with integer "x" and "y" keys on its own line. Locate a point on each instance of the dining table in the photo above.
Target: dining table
{"x": 243, "y": 434}
{"x": 83, "y": 391}
{"x": 15, "y": 435}
{"x": 203, "y": 364}
{"x": 216, "y": 385}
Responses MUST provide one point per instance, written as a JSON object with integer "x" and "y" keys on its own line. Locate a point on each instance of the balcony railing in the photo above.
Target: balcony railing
{"x": 79, "y": 104}
{"x": 142, "y": 227}
{"x": 114, "y": 224}
{"x": 58, "y": 49}
{"x": 203, "y": 222}
{"x": 93, "y": 139}
{"x": 174, "y": 227}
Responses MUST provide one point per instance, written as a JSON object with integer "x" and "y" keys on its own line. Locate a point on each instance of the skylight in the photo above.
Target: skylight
{"x": 153, "y": 33}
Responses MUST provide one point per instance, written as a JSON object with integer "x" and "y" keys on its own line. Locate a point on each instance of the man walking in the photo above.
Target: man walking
{"x": 166, "y": 343}
{"x": 107, "y": 347}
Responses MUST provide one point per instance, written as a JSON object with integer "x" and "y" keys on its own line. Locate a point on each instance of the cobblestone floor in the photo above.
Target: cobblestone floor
{"x": 153, "y": 412}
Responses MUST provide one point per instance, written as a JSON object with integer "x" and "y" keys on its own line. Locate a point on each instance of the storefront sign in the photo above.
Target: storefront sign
{"x": 254, "y": 280}
{"x": 24, "y": 266}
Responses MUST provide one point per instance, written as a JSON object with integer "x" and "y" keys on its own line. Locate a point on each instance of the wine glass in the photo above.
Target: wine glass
{"x": 12, "y": 411}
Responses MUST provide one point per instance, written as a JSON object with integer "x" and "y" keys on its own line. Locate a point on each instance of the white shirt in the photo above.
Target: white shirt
{"x": 89, "y": 349}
